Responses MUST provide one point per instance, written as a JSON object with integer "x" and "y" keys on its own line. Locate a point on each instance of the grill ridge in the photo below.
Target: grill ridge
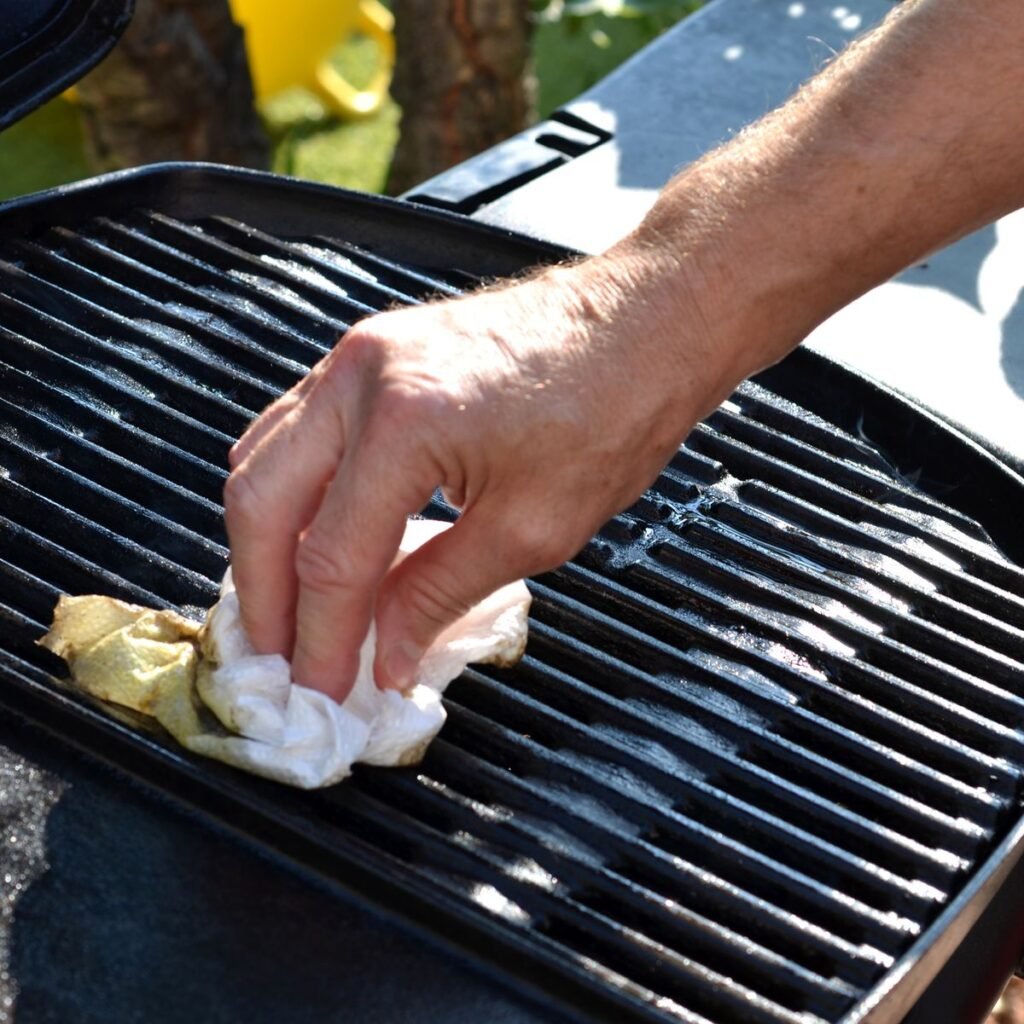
{"x": 804, "y": 942}
{"x": 652, "y": 697}
{"x": 731, "y": 679}
{"x": 666, "y": 827}
{"x": 799, "y": 481}
{"x": 814, "y": 686}
{"x": 895, "y": 660}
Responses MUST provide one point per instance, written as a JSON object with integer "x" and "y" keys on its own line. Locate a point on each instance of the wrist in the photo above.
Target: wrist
{"x": 653, "y": 330}
{"x": 713, "y": 311}
{"x": 727, "y": 245}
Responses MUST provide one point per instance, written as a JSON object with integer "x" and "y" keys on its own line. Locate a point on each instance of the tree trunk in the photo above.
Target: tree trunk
{"x": 460, "y": 79}
{"x": 176, "y": 87}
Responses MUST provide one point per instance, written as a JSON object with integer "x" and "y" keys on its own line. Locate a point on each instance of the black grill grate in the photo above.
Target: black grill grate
{"x": 765, "y": 729}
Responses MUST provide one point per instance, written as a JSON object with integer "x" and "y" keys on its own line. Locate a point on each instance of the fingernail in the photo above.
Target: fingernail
{"x": 400, "y": 665}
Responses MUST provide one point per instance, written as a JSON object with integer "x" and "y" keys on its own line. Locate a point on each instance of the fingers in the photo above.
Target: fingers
{"x": 268, "y": 420}
{"x": 270, "y": 498}
{"x": 442, "y": 580}
{"x": 347, "y": 550}
{"x": 261, "y": 427}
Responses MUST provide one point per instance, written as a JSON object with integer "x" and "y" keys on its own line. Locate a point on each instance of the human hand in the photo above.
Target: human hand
{"x": 541, "y": 409}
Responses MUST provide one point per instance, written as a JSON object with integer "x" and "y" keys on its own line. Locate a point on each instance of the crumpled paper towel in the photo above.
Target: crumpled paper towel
{"x": 217, "y": 697}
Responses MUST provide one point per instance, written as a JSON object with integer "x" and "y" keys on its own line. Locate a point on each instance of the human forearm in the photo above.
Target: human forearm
{"x": 908, "y": 140}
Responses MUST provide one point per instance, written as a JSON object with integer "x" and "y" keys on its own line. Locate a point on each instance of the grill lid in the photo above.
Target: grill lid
{"x": 47, "y": 45}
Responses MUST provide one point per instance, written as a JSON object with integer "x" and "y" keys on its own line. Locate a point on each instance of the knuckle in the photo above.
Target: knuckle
{"x": 402, "y": 409}
{"x": 322, "y": 568}
{"x": 539, "y": 545}
{"x": 432, "y": 600}
{"x": 236, "y": 454}
{"x": 404, "y": 389}
{"x": 242, "y": 502}
{"x": 363, "y": 347}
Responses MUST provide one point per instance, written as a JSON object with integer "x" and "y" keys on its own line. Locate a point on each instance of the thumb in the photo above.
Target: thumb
{"x": 438, "y": 583}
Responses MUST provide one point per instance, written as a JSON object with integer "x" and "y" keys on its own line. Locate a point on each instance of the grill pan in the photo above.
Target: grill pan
{"x": 761, "y": 762}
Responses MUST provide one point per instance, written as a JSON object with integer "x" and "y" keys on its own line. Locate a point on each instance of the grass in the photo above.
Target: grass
{"x": 310, "y": 143}
{"x": 351, "y": 154}
{"x": 570, "y": 55}
{"x": 573, "y": 53}
{"x": 42, "y": 150}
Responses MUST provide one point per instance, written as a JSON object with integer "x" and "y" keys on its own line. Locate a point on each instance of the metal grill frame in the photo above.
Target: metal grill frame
{"x": 432, "y": 238}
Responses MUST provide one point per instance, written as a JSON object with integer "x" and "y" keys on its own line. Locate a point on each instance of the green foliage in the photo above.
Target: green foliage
{"x": 352, "y": 154}
{"x": 42, "y": 150}
{"x": 310, "y": 143}
{"x": 577, "y": 42}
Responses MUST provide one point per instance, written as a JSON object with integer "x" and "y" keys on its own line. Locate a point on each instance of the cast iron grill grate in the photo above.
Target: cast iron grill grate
{"x": 764, "y": 730}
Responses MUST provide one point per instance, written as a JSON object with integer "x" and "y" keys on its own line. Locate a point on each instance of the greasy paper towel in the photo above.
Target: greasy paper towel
{"x": 218, "y": 697}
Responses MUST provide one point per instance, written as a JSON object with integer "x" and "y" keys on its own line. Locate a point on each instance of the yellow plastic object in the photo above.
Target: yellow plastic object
{"x": 290, "y": 41}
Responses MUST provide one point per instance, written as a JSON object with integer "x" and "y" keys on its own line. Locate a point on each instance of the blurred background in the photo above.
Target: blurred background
{"x": 375, "y": 95}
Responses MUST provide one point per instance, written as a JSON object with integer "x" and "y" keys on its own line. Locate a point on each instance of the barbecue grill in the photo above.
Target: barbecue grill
{"x": 761, "y": 762}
